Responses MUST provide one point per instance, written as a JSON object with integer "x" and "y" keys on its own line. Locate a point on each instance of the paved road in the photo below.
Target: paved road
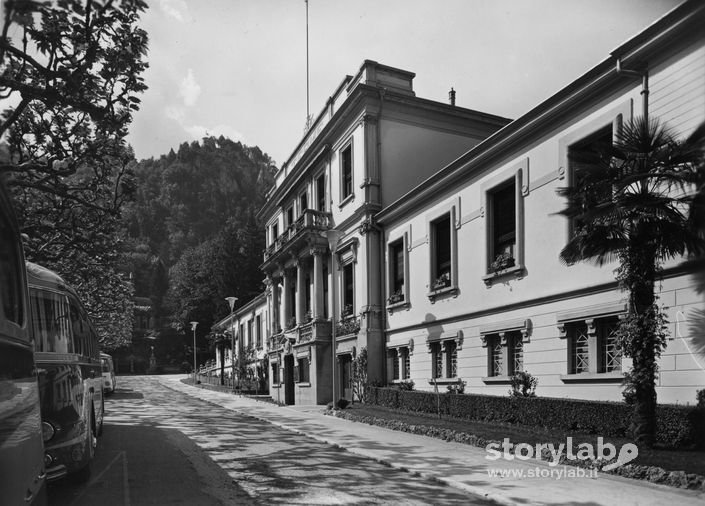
{"x": 162, "y": 447}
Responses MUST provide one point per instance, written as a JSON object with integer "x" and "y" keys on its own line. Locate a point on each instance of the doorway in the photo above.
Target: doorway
{"x": 289, "y": 380}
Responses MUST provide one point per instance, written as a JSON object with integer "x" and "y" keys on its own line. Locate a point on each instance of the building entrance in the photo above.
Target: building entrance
{"x": 289, "y": 380}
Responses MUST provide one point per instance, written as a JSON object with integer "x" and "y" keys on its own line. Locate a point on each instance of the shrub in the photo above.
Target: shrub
{"x": 405, "y": 385}
{"x": 678, "y": 426}
{"x": 700, "y": 398}
{"x": 523, "y": 385}
{"x": 457, "y": 388}
{"x": 342, "y": 403}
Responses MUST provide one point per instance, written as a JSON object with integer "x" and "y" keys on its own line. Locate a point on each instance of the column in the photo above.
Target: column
{"x": 317, "y": 299}
{"x": 286, "y": 288}
{"x": 274, "y": 316}
{"x": 300, "y": 291}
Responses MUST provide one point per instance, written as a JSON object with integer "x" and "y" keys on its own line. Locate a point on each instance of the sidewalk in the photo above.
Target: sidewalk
{"x": 461, "y": 466}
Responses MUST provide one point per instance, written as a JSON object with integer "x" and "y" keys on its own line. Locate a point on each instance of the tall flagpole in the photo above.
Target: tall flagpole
{"x": 308, "y": 116}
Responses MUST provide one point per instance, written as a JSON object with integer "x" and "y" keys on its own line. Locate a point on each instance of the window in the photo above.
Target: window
{"x": 346, "y": 172}
{"x": 258, "y": 330}
{"x": 451, "y": 350}
{"x": 441, "y": 253}
{"x": 436, "y": 361}
{"x": 303, "y": 203}
{"x": 348, "y": 290}
{"x": 406, "y": 373}
{"x": 583, "y": 156}
{"x": 321, "y": 193}
{"x": 591, "y": 335}
{"x": 11, "y": 282}
{"x": 249, "y": 333}
{"x": 394, "y": 357}
{"x": 290, "y": 216}
{"x": 275, "y": 373}
{"x": 495, "y": 356}
{"x": 275, "y": 232}
{"x": 503, "y": 223}
{"x": 303, "y": 368}
{"x": 505, "y": 348}
{"x": 396, "y": 284}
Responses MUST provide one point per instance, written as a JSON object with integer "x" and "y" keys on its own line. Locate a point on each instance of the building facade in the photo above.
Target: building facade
{"x": 427, "y": 235}
{"x": 373, "y": 141}
{"x": 475, "y": 289}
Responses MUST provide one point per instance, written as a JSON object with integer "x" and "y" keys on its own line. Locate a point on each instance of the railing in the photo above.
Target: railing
{"x": 347, "y": 326}
{"x": 309, "y": 221}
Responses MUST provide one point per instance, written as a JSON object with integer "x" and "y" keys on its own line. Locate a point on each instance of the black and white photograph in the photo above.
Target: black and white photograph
{"x": 337, "y": 252}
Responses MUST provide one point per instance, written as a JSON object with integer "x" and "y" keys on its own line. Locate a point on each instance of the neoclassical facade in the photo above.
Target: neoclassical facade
{"x": 428, "y": 235}
{"x": 373, "y": 141}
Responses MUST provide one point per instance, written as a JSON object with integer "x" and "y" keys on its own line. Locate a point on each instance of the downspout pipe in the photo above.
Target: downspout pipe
{"x": 644, "y": 85}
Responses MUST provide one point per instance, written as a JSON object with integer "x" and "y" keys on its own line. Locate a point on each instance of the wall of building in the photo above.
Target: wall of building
{"x": 545, "y": 287}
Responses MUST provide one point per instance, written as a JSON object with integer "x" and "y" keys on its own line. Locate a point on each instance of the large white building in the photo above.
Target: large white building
{"x": 446, "y": 240}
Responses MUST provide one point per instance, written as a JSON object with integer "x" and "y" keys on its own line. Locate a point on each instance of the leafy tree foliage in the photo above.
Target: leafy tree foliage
{"x": 70, "y": 73}
{"x": 641, "y": 201}
{"x": 195, "y": 211}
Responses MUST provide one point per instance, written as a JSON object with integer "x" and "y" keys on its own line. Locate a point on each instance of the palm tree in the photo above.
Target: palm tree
{"x": 639, "y": 200}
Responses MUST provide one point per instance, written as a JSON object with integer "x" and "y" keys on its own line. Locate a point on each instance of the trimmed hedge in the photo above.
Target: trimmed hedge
{"x": 678, "y": 426}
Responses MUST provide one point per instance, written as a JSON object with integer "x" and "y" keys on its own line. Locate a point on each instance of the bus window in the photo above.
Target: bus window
{"x": 50, "y": 325}
{"x": 10, "y": 280}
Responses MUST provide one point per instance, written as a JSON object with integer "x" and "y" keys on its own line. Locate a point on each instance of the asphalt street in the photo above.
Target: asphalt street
{"x": 162, "y": 447}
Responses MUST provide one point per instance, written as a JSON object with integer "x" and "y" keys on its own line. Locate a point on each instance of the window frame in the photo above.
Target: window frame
{"x": 347, "y": 183}
{"x": 402, "y": 240}
{"x": 504, "y": 335}
{"x": 440, "y": 349}
{"x": 451, "y": 210}
{"x": 514, "y": 175}
{"x": 320, "y": 188}
{"x": 595, "y": 320}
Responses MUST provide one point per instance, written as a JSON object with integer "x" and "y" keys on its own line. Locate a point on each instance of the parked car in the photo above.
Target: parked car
{"x": 108, "y": 368}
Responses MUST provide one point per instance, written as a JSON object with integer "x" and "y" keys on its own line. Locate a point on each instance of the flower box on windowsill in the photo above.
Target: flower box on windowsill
{"x": 513, "y": 271}
{"x": 395, "y": 298}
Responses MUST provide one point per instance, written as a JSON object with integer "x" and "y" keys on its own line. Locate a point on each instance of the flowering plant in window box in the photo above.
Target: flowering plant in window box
{"x": 502, "y": 261}
{"x": 347, "y": 311}
{"x": 291, "y": 323}
{"x": 442, "y": 281}
{"x": 308, "y": 316}
{"x": 396, "y": 297}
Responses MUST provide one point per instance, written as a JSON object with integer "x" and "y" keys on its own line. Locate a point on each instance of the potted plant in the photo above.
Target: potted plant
{"x": 502, "y": 261}
{"x": 442, "y": 281}
{"x": 396, "y": 297}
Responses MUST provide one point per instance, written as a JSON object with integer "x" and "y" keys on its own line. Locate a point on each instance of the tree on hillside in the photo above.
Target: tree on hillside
{"x": 639, "y": 201}
{"x": 70, "y": 73}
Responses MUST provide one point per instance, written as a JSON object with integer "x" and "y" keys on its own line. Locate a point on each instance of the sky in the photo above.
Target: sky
{"x": 237, "y": 68}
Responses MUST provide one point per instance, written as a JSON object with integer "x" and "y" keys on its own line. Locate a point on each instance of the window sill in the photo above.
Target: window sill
{"x": 588, "y": 377}
{"x": 502, "y": 380}
{"x": 443, "y": 381}
{"x": 398, "y": 305}
{"x": 347, "y": 199}
{"x": 443, "y": 292}
{"x": 514, "y": 272}
{"x": 303, "y": 383}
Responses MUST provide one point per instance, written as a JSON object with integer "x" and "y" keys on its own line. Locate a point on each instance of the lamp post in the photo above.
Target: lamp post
{"x": 193, "y": 327}
{"x": 333, "y": 237}
{"x": 232, "y": 301}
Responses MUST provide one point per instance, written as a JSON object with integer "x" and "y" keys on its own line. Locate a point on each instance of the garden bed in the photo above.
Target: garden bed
{"x": 678, "y": 468}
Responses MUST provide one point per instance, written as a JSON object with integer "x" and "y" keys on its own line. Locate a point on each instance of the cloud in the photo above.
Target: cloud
{"x": 197, "y": 132}
{"x": 176, "y": 9}
{"x": 189, "y": 89}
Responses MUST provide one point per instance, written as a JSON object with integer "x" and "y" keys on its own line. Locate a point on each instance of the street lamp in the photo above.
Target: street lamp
{"x": 193, "y": 327}
{"x": 333, "y": 237}
{"x": 232, "y": 301}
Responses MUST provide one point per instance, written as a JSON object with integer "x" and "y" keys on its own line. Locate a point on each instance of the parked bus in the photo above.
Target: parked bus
{"x": 70, "y": 378}
{"x": 22, "y": 475}
{"x": 108, "y": 368}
